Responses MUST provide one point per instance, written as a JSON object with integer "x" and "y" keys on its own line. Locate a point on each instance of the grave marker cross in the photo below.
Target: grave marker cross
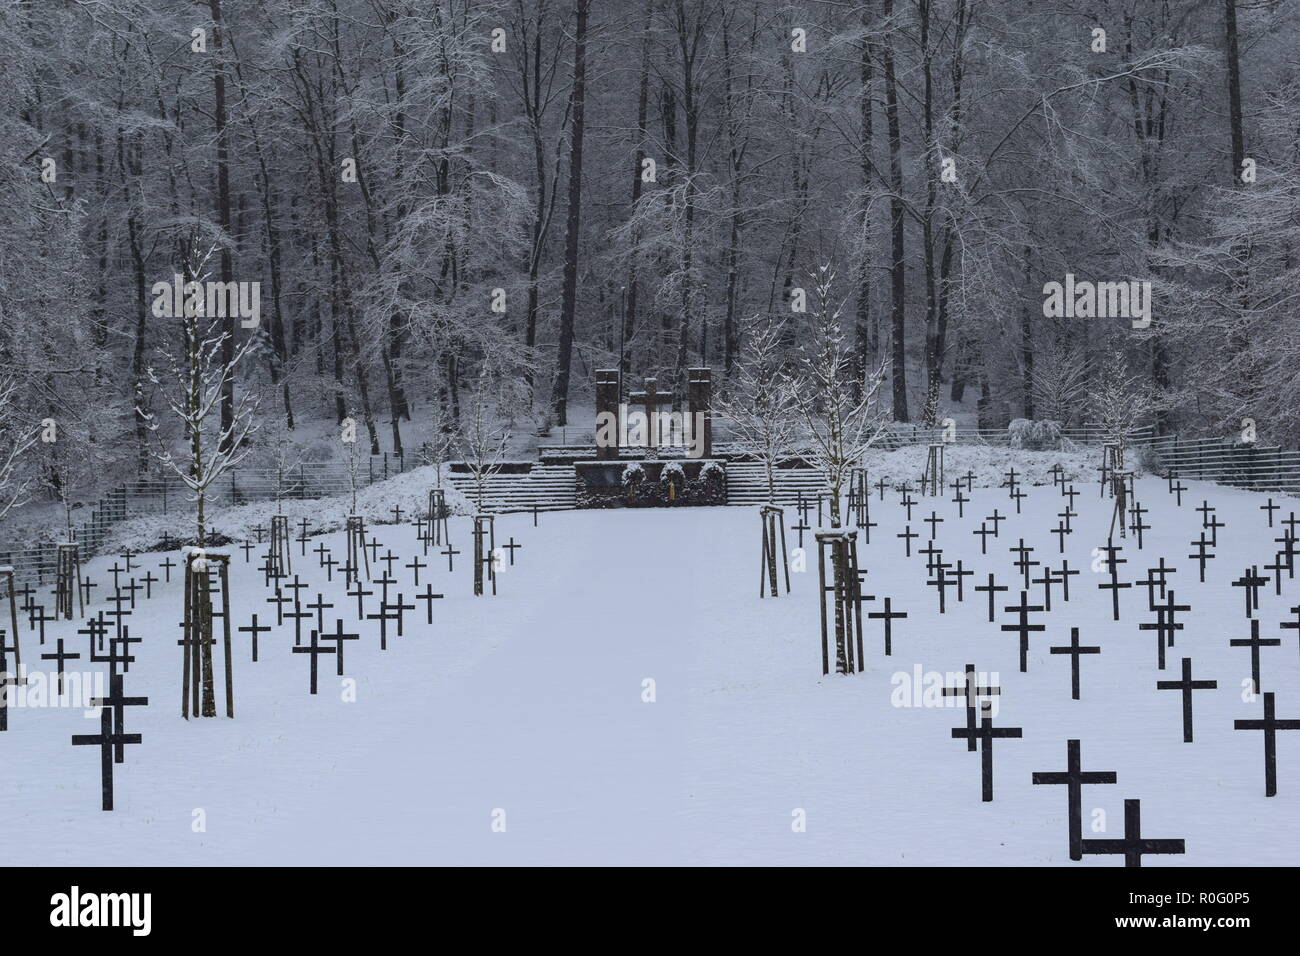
{"x": 1187, "y": 685}
{"x": 1074, "y": 777}
{"x": 1270, "y": 725}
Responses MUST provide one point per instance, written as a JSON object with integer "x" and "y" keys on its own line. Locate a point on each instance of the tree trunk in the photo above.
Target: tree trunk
{"x": 898, "y": 266}
{"x": 564, "y": 356}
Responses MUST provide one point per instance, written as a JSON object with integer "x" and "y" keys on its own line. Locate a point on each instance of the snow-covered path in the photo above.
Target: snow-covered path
{"x": 532, "y": 703}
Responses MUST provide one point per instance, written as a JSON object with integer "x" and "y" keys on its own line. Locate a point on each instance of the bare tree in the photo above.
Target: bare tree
{"x": 842, "y": 415}
{"x": 759, "y": 403}
{"x": 192, "y": 387}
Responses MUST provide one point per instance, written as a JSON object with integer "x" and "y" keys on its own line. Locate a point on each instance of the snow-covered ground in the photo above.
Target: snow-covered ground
{"x": 531, "y": 703}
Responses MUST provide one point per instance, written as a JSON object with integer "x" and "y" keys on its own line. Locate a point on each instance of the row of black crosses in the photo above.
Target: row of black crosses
{"x": 943, "y": 575}
{"x": 112, "y": 737}
{"x": 391, "y": 606}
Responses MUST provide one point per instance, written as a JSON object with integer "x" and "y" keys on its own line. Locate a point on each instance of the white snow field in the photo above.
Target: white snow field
{"x": 531, "y": 702}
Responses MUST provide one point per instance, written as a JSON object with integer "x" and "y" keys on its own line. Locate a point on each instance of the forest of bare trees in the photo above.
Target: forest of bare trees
{"x": 438, "y": 195}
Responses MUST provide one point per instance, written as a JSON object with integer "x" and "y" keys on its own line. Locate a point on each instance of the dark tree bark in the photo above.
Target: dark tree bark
{"x": 569, "y": 304}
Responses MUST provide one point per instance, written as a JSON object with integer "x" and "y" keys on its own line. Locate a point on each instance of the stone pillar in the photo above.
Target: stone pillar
{"x": 608, "y": 382}
{"x": 699, "y": 399}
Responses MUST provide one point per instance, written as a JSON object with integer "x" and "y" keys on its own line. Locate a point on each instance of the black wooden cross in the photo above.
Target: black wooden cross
{"x": 338, "y": 637}
{"x": 908, "y": 503}
{"x": 450, "y": 553}
{"x": 933, "y": 521}
{"x": 167, "y": 566}
{"x": 1060, "y": 531}
{"x": 1070, "y": 494}
{"x": 1177, "y": 490}
{"x": 359, "y": 592}
{"x": 1187, "y": 685}
{"x": 1137, "y": 524}
{"x": 961, "y": 501}
{"x": 131, "y": 588}
{"x": 511, "y": 547}
{"x": 1202, "y": 555}
{"x": 254, "y": 629}
{"x": 396, "y": 512}
{"x": 1133, "y": 845}
{"x": 247, "y": 548}
{"x": 38, "y": 619}
{"x": 941, "y": 583}
{"x": 373, "y": 547}
{"x": 86, "y": 587}
{"x": 1074, "y": 650}
{"x": 383, "y": 617}
{"x": 280, "y": 600}
{"x": 1214, "y": 525}
{"x": 320, "y": 551}
{"x": 995, "y": 518}
{"x": 1269, "y": 509}
{"x": 315, "y": 650}
{"x": 907, "y": 535}
{"x": 1155, "y": 579}
{"x": 1251, "y": 582}
{"x": 319, "y": 606}
{"x": 296, "y": 586}
{"x": 1023, "y": 627}
{"x": 1074, "y": 777}
{"x": 384, "y": 581}
{"x": 298, "y": 615}
{"x": 1277, "y": 567}
{"x": 149, "y": 581}
{"x": 959, "y": 574}
{"x": 1009, "y": 480}
{"x": 117, "y": 701}
{"x": 1205, "y": 511}
{"x": 388, "y": 559}
{"x": 888, "y": 615}
{"x": 969, "y": 689}
{"x": 116, "y": 571}
{"x": 1066, "y": 573}
{"x": 428, "y": 597}
{"x": 1255, "y": 642}
{"x": 992, "y": 589}
{"x": 931, "y": 556}
{"x": 1289, "y": 551}
{"x": 1023, "y": 563}
{"x": 1017, "y": 495}
{"x": 328, "y": 563}
{"x": 415, "y": 564}
{"x": 1291, "y": 522}
{"x": 108, "y": 742}
{"x": 986, "y": 734}
{"x": 1164, "y": 626}
{"x": 801, "y": 527}
{"x": 125, "y": 658}
{"x": 260, "y": 531}
{"x": 95, "y": 629}
{"x": 1047, "y": 580}
{"x": 1270, "y": 725}
{"x": 1114, "y": 585}
{"x": 970, "y": 480}
{"x": 984, "y": 533}
{"x": 63, "y": 657}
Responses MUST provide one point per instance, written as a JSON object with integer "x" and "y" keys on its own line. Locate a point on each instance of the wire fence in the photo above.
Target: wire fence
{"x": 37, "y": 563}
{"x": 1253, "y": 467}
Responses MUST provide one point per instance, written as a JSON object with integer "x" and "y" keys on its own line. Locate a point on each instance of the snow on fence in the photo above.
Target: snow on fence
{"x": 37, "y": 564}
{"x": 1255, "y": 467}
